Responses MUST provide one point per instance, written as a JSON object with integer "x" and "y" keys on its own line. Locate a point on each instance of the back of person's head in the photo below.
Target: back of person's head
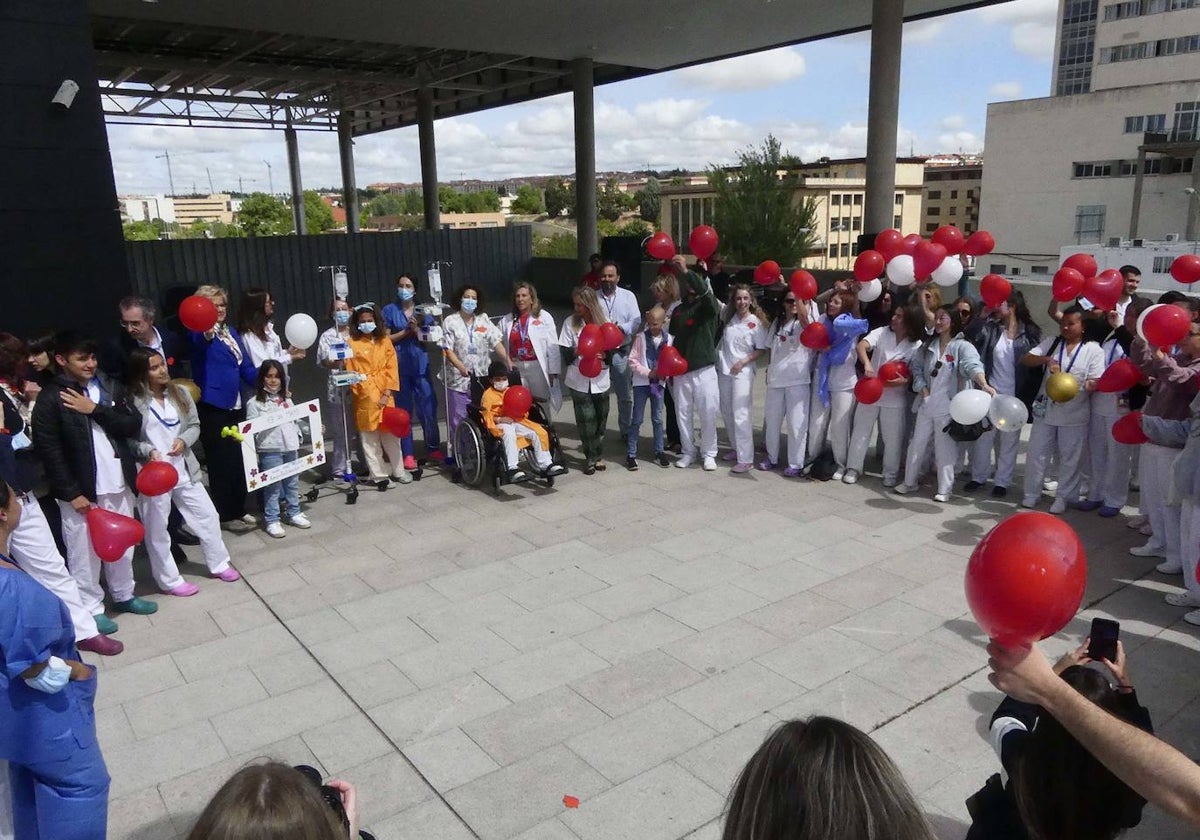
{"x": 13, "y": 355}
{"x": 822, "y": 779}
{"x": 1062, "y": 791}
{"x": 1172, "y": 297}
{"x": 73, "y": 341}
{"x": 497, "y": 368}
{"x": 267, "y": 802}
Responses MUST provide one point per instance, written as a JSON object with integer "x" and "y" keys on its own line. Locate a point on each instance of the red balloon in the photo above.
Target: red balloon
{"x": 1067, "y": 284}
{"x": 895, "y": 369}
{"x": 950, "y": 238}
{"x": 1128, "y": 429}
{"x": 591, "y": 340}
{"x": 868, "y": 390}
{"x": 396, "y": 421}
{"x": 611, "y": 336}
{"x": 979, "y": 243}
{"x": 703, "y": 241}
{"x": 768, "y": 272}
{"x": 1166, "y": 326}
{"x": 803, "y": 284}
{"x": 1186, "y": 268}
{"x": 156, "y": 478}
{"x": 660, "y": 246}
{"x": 869, "y": 265}
{"x": 1104, "y": 290}
{"x": 113, "y": 533}
{"x": 517, "y": 402}
{"x": 1120, "y": 376}
{"x": 889, "y": 243}
{"x": 815, "y": 337}
{"x": 591, "y": 366}
{"x": 926, "y": 257}
{"x": 909, "y": 244}
{"x": 994, "y": 290}
{"x": 1026, "y": 578}
{"x": 670, "y": 363}
{"x": 1085, "y": 264}
{"x": 198, "y": 314}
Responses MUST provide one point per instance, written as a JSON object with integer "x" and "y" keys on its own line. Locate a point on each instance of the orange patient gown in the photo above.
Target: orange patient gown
{"x": 377, "y": 360}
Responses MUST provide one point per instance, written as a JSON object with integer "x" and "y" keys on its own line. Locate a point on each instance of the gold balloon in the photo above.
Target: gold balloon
{"x": 188, "y": 385}
{"x": 1062, "y": 387}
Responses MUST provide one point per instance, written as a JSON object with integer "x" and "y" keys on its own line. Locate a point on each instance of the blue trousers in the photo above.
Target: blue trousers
{"x": 642, "y": 395}
{"x": 288, "y": 489}
{"x": 416, "y": 396}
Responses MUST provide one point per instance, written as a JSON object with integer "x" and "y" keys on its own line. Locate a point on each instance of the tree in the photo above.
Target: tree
{"x": 559, "y": 198}
{"x": 395, "y": 204}
{"x": 635, "y": 227}
{"x": 318, "y": 217}
{"x": 757, "y": 212}
{"x": 650, "y": 200}
{"x": 143, "y": 231}
{"x": 528, "y": 202}
{"x": 610, "y": 201}
{"x": 264, "y": 215}
{"x": 559, "y": 245}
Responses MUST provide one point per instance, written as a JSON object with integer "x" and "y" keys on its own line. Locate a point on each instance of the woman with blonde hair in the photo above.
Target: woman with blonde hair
{"x": 589, "y": 394}
{"x": 220, "y": 366}
{"x": 532, "y": 344}
{"x": 743, "y": 340}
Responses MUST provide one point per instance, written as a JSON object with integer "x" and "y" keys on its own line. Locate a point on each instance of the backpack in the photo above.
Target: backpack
{"x": 822, "y": 467}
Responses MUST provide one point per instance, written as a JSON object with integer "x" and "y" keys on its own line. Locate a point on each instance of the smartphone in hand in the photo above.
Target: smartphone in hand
{"x": 1104, "y": 636}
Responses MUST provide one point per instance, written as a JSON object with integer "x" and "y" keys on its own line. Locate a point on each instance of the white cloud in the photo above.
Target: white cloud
{"x": 1034, "y": 39}
{"x": 951, "y": 123}
{"x": 1005, "y": 90}
{"x": 959, "y": 141}
{"x": 1032, "y": 23}
{"x": 745, "y": 72}
{"x": 923, "y": 31}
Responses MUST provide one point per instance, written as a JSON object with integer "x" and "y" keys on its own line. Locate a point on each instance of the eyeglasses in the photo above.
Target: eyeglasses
{"x": 965, "y": 313}
{"x": 933, "y": 373}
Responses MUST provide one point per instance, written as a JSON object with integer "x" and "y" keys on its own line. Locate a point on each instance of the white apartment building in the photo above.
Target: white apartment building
{"x": 147, "y": 208}
{"x": 1107, "y": 158}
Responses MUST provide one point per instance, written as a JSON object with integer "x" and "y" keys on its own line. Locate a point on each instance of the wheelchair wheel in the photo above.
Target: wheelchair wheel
{"x": 469, "y": 453}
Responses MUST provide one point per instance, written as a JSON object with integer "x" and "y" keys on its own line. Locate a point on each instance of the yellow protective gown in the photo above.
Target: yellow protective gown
{"x": 377, "y": 360}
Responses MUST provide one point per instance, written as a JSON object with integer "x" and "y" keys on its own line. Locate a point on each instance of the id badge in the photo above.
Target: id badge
{"x": 1040, "y": 406}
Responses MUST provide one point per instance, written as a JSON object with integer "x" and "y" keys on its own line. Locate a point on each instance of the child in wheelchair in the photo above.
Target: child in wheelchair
{"x": 512, "y": 432}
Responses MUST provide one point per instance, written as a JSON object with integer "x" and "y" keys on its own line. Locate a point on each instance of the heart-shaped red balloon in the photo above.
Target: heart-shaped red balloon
{"x": 1120, "y": 376}
{"x": 591, "y": 340}
{"x": 396, "y": 421}
{"x": 950, "y": 238}
{"x": 893, "y": 370}
{"x": 670, "y": 363}
{"x": 803, "y": 284}
{"x": 1128, "y": 429}
{"x": 868, "y": 265}
{"x": 591, "y": 366}
{"x": 1104, "y": 290}
{"x": 927, "y": 256}
{"x": 156, "y": 478}
{"x": 611, "y": 336}
{"x": 815, "y": 337}
{"x": 113, "y": 534}
{"x": 909, "y": 244}
{"x": 979, "y": 243}
{"x": 868, "y": 390}
{"x": 1067, "y": 284}
{"x": 889, "y": 243}
{"x": 1085, "y": 264}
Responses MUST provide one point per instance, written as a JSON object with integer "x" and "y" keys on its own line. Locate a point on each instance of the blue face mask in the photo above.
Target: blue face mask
{"x": 341, "y": 317}
{"x": 53, "y": 678}
{"x": 21, "y": 441}
{"x": 367, "y": 328}
{"x": 469, "y": 304}
{"x": 405, "y": 294}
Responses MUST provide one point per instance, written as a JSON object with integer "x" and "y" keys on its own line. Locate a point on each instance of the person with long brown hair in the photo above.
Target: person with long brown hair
{"x": 589, "y": 395}
{"x": 255, "y": 310}
{"x": 832, "y": 402}
{"x": 742, "y": 340}
{"x": 376, "y": 360}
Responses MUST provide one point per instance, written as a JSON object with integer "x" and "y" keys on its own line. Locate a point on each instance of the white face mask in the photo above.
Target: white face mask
{"x": 367, "y": 327}
{"x": 500, "y": 384}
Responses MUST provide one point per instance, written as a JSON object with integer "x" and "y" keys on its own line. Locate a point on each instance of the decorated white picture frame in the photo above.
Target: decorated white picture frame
{"x": 258, "y": 478}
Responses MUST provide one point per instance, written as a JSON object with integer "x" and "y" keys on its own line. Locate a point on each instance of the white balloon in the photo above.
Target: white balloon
{"x": 1142, "y": 318}
{"x": 301, "y": 331}
{"x": 969, "y": 406}
{"x": 949, "y": 272}
{"x": 1007, "y": 413}
{"x": 900, "y": 270}
{"x": 871, "y": 290}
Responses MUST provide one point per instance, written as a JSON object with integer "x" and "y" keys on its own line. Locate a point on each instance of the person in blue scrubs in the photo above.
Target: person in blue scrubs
{"x": 47, "y": 723}
{"x": 416, "y": 395}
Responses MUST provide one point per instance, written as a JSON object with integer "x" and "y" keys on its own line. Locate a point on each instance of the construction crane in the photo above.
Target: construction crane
{"x": 270, "y": 177}
{"x": 241, "y": 179}
{"x": 170, "y": 177}
{"x": 166, "y": 155}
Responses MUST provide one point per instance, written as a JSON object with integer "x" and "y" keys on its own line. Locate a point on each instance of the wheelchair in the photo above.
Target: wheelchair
{"x": 479, "y": 456}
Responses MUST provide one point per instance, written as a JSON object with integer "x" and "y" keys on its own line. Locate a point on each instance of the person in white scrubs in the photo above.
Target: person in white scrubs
{"x": 743, "y": 334}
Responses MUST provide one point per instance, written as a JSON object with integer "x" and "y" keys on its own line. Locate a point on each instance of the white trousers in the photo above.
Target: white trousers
{"x": 891, "y": 432}
{"x": 1156, "y": 462}
{"x": 198, "y": 512}
{"x": 830, "y": 424}
{"x": 85, "y": 565}
{"x": 697, "y": 391}
{"x": 509, "y": 432}
{"x": 737, "y": 396}
{"x": 1111, "y": 463}
{"x": 786, "y": 408}
{"x": 927, "y": 430}
{"x": 32, "y": 546}
{"x": 375, "y": 445}
{"x": 1003, "y": 447}
{"x": 1066, "y": 444}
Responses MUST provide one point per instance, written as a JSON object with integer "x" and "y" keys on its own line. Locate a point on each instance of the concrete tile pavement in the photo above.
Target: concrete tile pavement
{"x": 627, "y": 639}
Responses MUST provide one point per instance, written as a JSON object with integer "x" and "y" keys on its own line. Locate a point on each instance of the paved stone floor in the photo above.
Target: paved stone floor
{"x": 627, "y": 639}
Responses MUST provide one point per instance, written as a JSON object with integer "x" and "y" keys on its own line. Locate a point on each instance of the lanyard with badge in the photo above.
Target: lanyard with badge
{"x": 521, "y": 325}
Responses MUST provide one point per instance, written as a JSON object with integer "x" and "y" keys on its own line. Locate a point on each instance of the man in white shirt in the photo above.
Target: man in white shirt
{"x": 621, "y": 307}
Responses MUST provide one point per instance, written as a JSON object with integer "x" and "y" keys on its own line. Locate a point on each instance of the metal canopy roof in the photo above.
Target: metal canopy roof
{"x": 264, "y": 63}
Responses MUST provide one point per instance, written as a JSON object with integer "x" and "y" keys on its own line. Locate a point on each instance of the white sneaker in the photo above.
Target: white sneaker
{"x": 905, "y": 489}
{"x": 1148, "y": 550}
{"x": 404, "y": 477}
{"x": 1137, "y": 522}
{"x": 838, "y": 474}
{"x": 302, "y": 521}
{"x": 1169, "y": 569}
{"x": 683, "y": 462}
{"x": 275, "y": 530}
{"x": 941, "y": 497}
{"x": 251, "y": 520}
{"x": 1050, "y": 486}
{"x": 1193, "y": 617}
{"x": 1059, "y": 506}
{"x": 710, "y": 463}
{"x": 1182, "y": 599}
{"x": 850, "y": 477}
{"x": 888, "y": 482}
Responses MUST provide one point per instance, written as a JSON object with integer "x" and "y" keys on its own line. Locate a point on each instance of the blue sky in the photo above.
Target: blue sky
{"x": 813, "y": 97}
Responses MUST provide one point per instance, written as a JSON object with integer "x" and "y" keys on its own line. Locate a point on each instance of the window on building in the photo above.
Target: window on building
{"x": 1093, "y": 169}
{"x": 836, "y": 199}
{"x": 1135, "y": 125}
{"x": 1127, "y": 167}
{"x": 934, "y": 195}
{"x": 933, "y": 211}
{"x": 1015, "y": 271}
{"x": 1187, "y": 121}
{"x": 856, "y": 223}
{"x": 997, "y": 268}
{"x": 1162, "y": 265}
{"x": 970, "y": 194}
{"x": 1154, "y": 166}
{"x": 833, "y": 251}
{"x": 1178, "y": 46}
{"x": 899, "y": 198}
{"x": 953, "y": 211}
{"x": 1089, "y": 224}
{"x": 858, "y": 199}
{"x": 845, "y": 223}
{"x": 896, "y": 222}
{"x": 1039, "y": 269}
{"x": 954, "y": 193}
{"x": 930, "y": 227}
{"x": 845, "y": 249}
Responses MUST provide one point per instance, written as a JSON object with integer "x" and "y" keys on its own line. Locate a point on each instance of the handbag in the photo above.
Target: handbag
{"x": 966, "y": 434}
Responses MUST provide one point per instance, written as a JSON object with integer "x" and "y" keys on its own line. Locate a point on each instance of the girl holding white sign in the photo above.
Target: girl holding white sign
{"x": 170, "y": 427}
{"x": 276, "y": 447}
